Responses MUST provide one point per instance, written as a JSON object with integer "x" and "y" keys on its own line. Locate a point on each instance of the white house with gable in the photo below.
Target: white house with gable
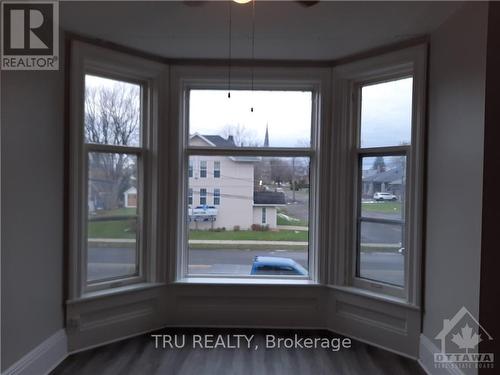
{"x": 221, "y": 190}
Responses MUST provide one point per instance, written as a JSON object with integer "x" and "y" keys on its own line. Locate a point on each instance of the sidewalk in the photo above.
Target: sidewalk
{"x": 293, "y": 227}
{"x": 216, "y": 242}
{"x": 241, "y": 242}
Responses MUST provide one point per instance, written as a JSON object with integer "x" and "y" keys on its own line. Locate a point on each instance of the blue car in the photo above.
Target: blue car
{"x": 263, "y": 265}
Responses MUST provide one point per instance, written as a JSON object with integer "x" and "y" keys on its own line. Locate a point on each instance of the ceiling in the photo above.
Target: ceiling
{"x": 283, "y": 30}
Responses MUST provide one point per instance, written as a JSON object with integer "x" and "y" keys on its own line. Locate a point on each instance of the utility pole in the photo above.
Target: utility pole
{"x": 293, "y": 180}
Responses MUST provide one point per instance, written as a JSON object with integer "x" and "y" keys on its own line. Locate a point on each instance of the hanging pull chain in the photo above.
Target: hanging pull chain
{"x": 229, "y": 52}
{"x": 253, "y": 50}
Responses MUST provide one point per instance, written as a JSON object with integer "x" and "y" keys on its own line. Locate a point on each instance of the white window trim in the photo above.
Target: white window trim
{"x": 186, "y": 78}
{"x": 346, "y": 82}
{"x": 331, "y": 232}
{"x": 86, "y": 58}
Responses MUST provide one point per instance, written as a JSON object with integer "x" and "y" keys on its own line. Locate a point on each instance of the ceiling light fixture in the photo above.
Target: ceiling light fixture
{"x": 242, "y": 1}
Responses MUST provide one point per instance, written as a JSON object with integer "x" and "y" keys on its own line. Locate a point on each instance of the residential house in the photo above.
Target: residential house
{"x": 221, "y": 190}
{"x": 391, "y": 180}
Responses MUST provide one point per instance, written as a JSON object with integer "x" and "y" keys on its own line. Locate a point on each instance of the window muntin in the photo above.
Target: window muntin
{"x": 382, "y": 155}
{"x": 113, "y": 230}
{"x": 285, "y": 116}
{"x": 250, "y": 183}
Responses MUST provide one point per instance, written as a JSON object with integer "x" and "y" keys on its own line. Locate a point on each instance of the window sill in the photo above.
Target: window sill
{"x": 90, "y": 296}
{"x": 243, "y": 281}
{"x": 375, "y": 296}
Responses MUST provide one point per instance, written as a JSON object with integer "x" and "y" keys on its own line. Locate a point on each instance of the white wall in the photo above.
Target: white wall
{"x": 236, "y": 188}
{"x": 32, "y": 210}
{"x": 271, "y": 216}
{"x": 455, "y": 163}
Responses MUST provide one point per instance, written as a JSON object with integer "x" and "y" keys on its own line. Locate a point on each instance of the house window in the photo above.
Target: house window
{"x": 216, "y": 197}
{"x": 190, "y": 173}
{"x": 265, "y": 166}
{"x": 190, "y": 196}
{"x": 203, "y": 197}
{"x": 203, "y": 169}
{"x": 217, "y": 169}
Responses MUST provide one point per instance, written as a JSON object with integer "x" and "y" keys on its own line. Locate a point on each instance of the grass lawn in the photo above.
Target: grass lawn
{"x": 199, "y": 246}
{"x": 116, "y": 212}
{"x": 110, "y": 229}
{"x": 378, "y": 249}
{"x": 382, "y": 207}
{"x": 283, "y": 218}
{"x": 282, "y": 235}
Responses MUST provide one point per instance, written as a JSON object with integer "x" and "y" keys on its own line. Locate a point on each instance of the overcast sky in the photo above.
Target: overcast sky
{"x": 385, "y": 114}
{"x": 288, "y": 114}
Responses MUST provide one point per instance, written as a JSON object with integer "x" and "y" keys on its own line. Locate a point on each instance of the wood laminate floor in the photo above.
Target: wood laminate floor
{"x": 138, "y": 356}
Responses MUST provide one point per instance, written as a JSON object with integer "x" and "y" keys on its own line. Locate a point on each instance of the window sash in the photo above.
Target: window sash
{"x": 406, "y": 221}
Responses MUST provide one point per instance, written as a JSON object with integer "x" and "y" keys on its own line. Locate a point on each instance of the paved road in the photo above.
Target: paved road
{"x": 115, "y": 261}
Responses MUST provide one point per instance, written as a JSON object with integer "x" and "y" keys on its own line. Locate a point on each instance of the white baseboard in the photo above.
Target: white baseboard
{"x": 43, "y": 358}
{"x": 426, "y": 359}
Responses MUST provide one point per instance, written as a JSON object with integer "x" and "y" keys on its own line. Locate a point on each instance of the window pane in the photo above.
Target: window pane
{"x": 386, "y": 110}
{"x": 383, "y": 187}
{"x": 112, "y": 112}
{"x": 113, "y": 222}
{"x": 203, "y": 169}
{"x": 262, "y": 211}
{"x": 279, "y": 118}
{"x": 381, "y": 253}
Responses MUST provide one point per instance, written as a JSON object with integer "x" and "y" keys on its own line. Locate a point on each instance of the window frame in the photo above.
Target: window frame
{"x": 203, "y": 168}
{"x": 347, "y": 82}
{"x": 216, "y": 195}
{"x": 217, "y": 173}
{"x": 94, "y": 60}
{"x": 186, "y": 78}
{"x": 203, "y": 196}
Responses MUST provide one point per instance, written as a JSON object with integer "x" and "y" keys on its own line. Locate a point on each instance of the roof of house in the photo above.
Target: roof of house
{"x": 268, "y": 197}
{"x": 219, "y": 141}
{"x": 394, "y": 175}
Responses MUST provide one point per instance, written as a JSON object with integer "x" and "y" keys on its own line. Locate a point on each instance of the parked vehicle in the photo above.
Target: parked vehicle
{"x": 263, "y": 265}
{"x": 203, "y": 210}
{"x": 384, "y": 197}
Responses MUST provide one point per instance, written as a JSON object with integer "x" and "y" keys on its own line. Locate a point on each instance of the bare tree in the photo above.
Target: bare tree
{"x": 242, "y": 136}
{"x": 112, "y": 116}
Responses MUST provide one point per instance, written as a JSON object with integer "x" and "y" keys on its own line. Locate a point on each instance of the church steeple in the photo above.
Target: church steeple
{"x": 266, "y": 138}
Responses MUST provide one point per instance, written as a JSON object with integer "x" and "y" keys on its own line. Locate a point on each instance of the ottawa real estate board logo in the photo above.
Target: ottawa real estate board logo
{"x": 459, "y": 339}
{"x": 30, "y": 35}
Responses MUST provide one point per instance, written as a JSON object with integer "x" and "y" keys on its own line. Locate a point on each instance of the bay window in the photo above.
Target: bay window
{"x": 277, "y": 172}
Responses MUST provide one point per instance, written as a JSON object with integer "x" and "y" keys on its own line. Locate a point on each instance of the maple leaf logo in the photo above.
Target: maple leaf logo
{"x": 467, "y": 339}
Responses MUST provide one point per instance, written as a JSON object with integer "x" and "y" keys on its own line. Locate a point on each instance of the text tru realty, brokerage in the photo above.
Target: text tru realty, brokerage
{"x": 240, "y": 341}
